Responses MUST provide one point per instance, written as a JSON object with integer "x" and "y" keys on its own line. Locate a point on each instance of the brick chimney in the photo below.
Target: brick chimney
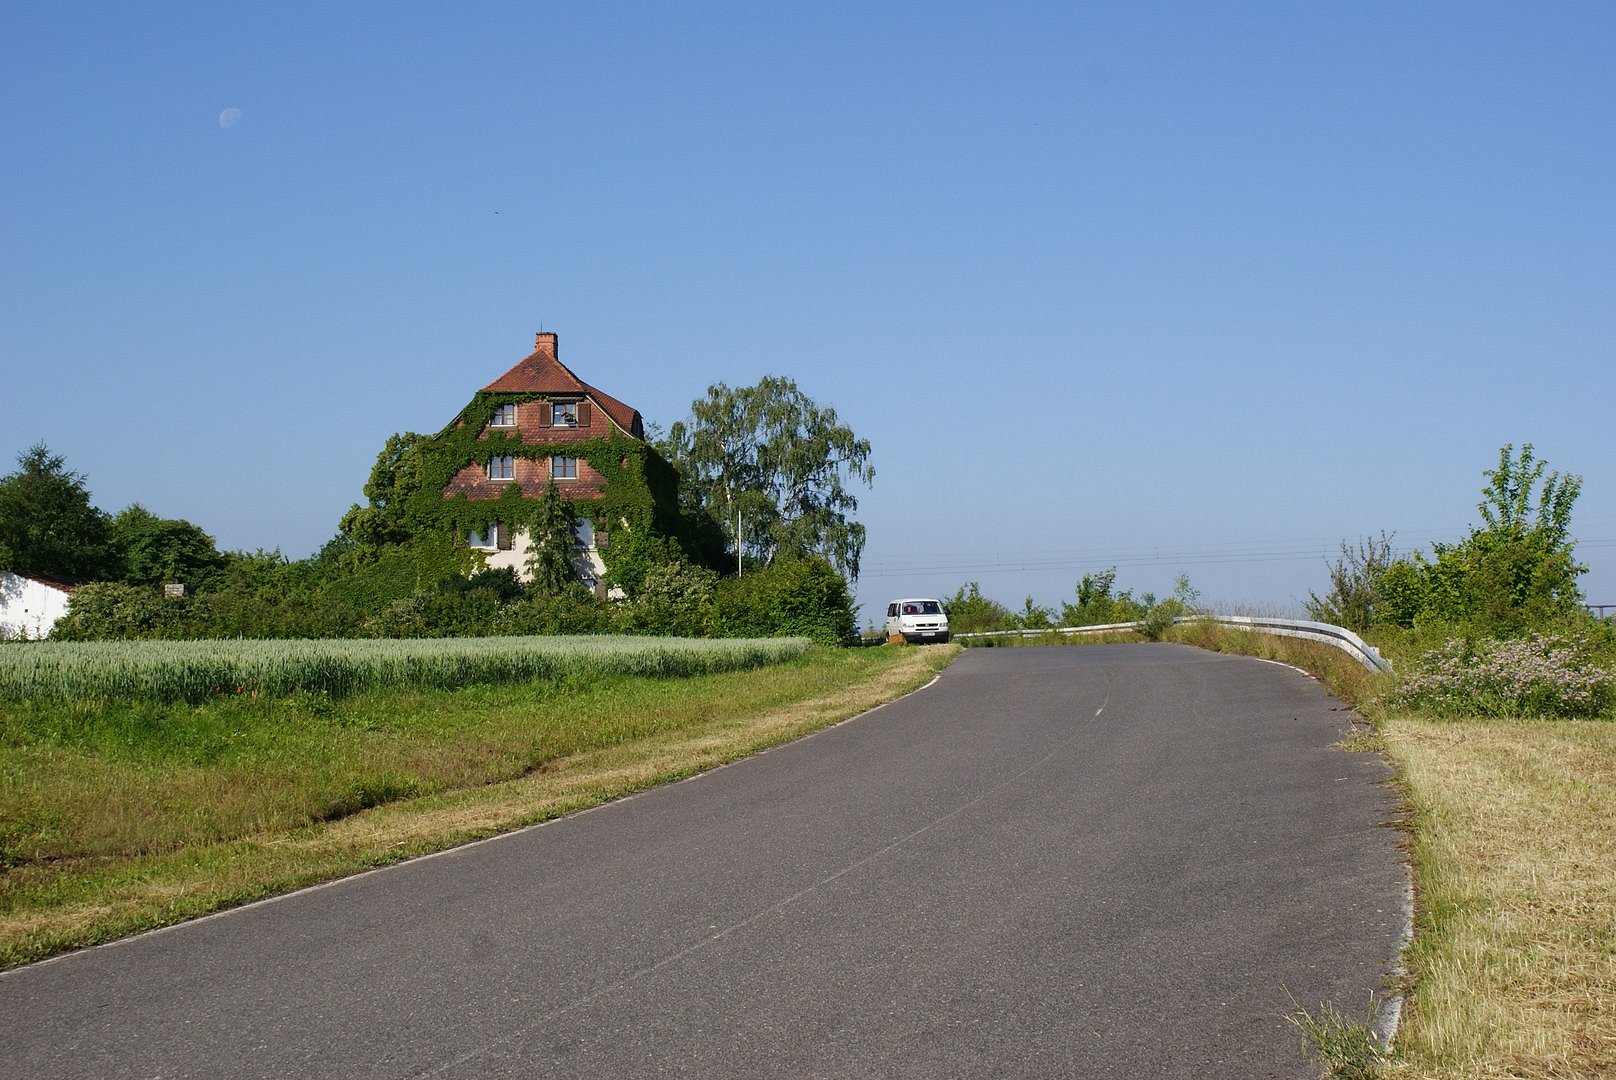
{"x": 545, "y": 342}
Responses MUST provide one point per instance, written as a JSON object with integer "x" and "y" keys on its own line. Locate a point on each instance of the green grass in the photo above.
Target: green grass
{"x": 117, "y": 816}
{"x": 1346, "y": 1049}
{"x": 196, "y": 671}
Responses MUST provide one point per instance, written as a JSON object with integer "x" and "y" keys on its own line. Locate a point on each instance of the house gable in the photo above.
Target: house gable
{"x": 542, "y": 374}
{"x": 539, "y": 422}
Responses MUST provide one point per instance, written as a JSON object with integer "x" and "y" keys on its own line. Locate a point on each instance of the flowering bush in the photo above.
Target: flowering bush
{"x": 1538, "y": 675}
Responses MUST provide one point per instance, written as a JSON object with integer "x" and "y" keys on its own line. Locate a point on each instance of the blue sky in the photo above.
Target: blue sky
{"x": 1167, "y": 286}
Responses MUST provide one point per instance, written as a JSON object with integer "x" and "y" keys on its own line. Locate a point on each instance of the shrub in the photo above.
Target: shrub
{"x": 1098, "y": 603}
{"x": 674, "y": 598}
{"x": 113, "y": 610}
{"x": 794, "y": 597}
{"x": 1356, "y": 584}
{"x": 970, "y": 612}
{"x": 1160, "y": 617}
{"x": 572, "y": 611}
{"x": 1536, "y": 675}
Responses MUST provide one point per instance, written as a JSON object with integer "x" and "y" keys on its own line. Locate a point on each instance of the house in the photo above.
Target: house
{"x": 537, "y": 423}
{"x": 30, "y": 604}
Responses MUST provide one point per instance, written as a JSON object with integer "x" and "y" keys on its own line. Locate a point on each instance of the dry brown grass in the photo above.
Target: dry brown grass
{"x": 1514, "y": 837}
{"x": 53, "y": 905}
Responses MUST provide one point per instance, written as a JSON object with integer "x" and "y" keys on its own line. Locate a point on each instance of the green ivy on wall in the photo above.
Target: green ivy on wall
{"x": 637, "y": 510}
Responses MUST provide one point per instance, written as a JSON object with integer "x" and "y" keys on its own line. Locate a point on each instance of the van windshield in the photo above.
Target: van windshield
{"x": 923, "y": 607}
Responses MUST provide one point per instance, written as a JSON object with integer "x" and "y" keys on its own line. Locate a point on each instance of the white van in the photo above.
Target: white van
{"x": 917, "y": 619}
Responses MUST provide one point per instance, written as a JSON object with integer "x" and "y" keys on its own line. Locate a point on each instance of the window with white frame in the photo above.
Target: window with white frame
{"x": 563, "y": 468}
{"x": 564, "y": 413}
{"x": 502, "y": 468}
{"x": 485, "y": 538}
{"x": 504, "y": 416}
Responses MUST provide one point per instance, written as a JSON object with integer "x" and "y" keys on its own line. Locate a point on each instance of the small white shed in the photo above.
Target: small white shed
{"x": 30, "y": 604}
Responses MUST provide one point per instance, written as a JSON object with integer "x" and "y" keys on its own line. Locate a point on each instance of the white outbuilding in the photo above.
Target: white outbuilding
{"x": 30, "y": 604}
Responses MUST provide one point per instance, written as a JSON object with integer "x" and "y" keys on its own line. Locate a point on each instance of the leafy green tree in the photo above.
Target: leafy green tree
{"x": 388, "y": 516}
{"x": 553, "y": 539}
{"x": 156, "y": 551}
{"x": 47, "y": 525}
{"x": 1516, "y": 571}
{"x": 772, "y": 468}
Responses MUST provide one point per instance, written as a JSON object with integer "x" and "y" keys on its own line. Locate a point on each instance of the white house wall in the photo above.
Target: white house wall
{"x": 586, "y": 560}
{"x": 28, "y": 608}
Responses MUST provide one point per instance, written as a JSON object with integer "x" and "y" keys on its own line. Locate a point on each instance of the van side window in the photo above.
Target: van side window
{"x": 892, "y": 609}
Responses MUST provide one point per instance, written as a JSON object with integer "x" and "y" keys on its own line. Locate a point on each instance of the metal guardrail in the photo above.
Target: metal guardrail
{"x": 1338, "y": 636}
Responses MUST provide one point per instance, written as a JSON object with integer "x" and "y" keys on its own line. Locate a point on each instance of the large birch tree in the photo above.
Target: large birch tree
{"x": 773, "y": 468}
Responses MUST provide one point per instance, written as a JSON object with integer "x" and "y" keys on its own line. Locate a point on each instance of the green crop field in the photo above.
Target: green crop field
{"x": 196, "y": 671}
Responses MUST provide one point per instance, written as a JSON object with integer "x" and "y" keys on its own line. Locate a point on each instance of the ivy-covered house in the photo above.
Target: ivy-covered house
{"x": 539, "y": 423}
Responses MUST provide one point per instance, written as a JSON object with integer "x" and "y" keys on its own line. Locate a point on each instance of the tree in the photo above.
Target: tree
{"x": 157, "y": 551}
{"x": 553, "y": 537}
{"x": 1516, "y": 571}
{"x": 47, "y": 525}
{"x": 772, "y": 468}
{"x": 388, "y": 517}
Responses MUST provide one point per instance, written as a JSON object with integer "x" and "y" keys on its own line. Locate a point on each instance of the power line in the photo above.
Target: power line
{"x": 1043, "y": 561}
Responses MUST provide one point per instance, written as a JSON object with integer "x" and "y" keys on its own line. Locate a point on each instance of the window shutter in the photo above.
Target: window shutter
{"x": 546, "y": 414}
{"x": 584, "y": 414}
{"x": 602, "y": 538}
{"x": 503, "y": 536}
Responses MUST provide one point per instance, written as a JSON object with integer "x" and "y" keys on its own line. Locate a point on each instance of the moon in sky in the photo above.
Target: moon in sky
{"x": 228, "y": 118}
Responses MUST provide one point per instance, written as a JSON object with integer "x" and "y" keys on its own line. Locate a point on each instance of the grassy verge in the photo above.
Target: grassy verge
{"x": 121, "y": 817}
{"x": 1514, "y": 958}
{"x": 1512, "y": 827}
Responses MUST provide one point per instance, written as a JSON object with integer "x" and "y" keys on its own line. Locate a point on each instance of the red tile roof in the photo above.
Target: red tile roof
{"x": 540, "y": 372}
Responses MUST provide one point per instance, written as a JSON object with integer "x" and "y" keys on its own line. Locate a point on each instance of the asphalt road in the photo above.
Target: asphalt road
{"x": 1112, "y": 861}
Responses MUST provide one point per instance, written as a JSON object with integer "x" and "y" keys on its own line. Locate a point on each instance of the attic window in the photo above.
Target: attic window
{"x": 504, "y": 416}
{"x": 502, "y": 468}
{"x": 564, "y": 413}
{"x": 563, "y": 468}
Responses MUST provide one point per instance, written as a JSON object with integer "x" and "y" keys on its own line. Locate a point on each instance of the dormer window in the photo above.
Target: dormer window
{"x": 502, "y": 468}
{"x": 504, "y": 416}
{"x": 564, "y": 413}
